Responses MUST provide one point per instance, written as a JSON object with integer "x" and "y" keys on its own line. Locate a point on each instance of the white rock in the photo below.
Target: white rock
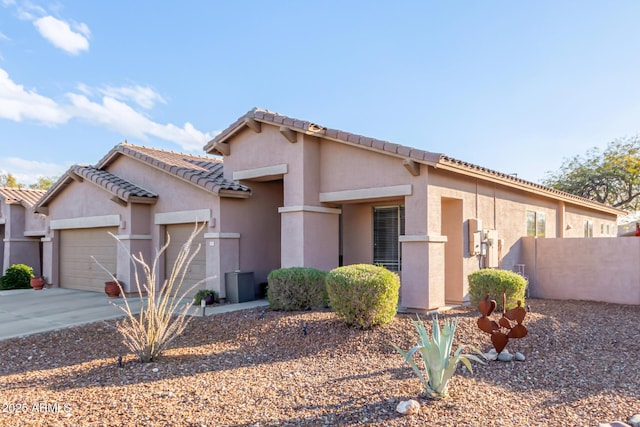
{"x": 505, "y": 356}
{"x": 634, "y": 421}
{"x": 155, "y": 369}
{"x": 490, "y": 355}
{"x": 520, "y": 357}
{"x": 408, "y": 407}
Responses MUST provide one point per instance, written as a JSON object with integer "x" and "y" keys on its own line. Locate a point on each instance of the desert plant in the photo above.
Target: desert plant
{"x": 162, "y": 316}
{"x": 363, "y": 295}
{"x": 203, "y": 294}
{"x": 438, "y": 365}
{"x": 17, "y": 276}
{"x": 494, "y": 283}
{"x": 297, "y": 288}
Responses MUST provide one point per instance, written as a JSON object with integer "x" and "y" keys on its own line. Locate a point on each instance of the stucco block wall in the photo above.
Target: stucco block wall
{"x": 605, "y": 269}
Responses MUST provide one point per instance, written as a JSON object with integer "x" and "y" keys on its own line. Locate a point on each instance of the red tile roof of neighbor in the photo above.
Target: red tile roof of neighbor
{"x": 28, "y": 197}
{"x": 203, "y": 171}
{"x": 437, "y": 160}
{"x": 114, "y": 184}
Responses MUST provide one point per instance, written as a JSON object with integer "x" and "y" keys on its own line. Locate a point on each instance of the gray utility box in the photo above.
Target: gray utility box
{"x": 240, "y": 286}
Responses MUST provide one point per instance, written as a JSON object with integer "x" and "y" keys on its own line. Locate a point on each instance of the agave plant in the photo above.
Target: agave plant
{"x": 438, "y": 363}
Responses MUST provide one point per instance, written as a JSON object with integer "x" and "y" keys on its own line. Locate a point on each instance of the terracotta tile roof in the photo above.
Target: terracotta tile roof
{"x": 203, "y": 171}
{"x": 437, "y": 160}
{"x": 26, "y": 196}
{"x": 114, "y": 184}
{"x": 314, "y": 129}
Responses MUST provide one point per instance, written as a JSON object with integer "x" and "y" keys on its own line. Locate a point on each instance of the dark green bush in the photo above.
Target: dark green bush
{"x": 202, "y": 294}
{"x": 17, "y": 277}
{"x": 297, "y": 288}
{"x": 494, "y": 283}
{"x": 363, "y": 295}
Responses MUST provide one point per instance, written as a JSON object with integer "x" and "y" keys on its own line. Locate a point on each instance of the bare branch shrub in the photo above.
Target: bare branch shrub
{"x": 163, "y": 316}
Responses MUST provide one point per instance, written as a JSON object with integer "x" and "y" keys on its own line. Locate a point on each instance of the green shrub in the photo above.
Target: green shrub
{"x": 17, "y": 277}
{"x": 363, "y": 295}
{"x": 494, "y": 283}
{"x": 297, "y": 288}
{"x": 202, "y": 294}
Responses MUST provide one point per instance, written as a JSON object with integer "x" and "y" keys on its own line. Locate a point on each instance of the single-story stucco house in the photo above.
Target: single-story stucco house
{"x": 350, "y": 199}
{"x": 293, "y": 193}
{"x": 20, "y": 228}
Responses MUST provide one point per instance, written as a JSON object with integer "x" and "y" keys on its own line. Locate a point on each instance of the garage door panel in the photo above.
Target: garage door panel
{"x": 77, "y": 269}
{"x": 179, "y": 234}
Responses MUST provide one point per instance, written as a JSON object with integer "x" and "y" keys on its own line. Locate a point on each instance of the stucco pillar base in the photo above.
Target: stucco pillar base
{"x": 422, "y": 273}
{"x": 310, "y": 237}
{"x": 223, "y": 252}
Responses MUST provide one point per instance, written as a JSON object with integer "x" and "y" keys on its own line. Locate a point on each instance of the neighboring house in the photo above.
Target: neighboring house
{"x": 336, "y": 198}
{"x": 20, "y": 228}
{"x": 140, "y": 195}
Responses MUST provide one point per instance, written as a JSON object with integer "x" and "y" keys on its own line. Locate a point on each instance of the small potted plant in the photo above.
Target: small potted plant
{"x": 37, "y": 282}
{"x": 112, "y": 288}
{"x": 209, "y": 296}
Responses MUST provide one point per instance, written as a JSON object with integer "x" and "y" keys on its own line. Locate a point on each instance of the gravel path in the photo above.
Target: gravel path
{"x": 236, "y": 369}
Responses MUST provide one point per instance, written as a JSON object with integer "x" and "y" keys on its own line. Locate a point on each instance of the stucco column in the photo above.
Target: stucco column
{"x": 223, "y": 256}
{"x": 309, "y": 237}
{"x": 423, "y": 284}
{"x": 50, "y": 261}
{"x": 136, "y": 244}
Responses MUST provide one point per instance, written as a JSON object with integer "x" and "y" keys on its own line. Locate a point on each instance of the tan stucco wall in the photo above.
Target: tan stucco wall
{"x": 316, "y": 166}
{"x": 605, "y": 269}
{"x": 257, "y": 221}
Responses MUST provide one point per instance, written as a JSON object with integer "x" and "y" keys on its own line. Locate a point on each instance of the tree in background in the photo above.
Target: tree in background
{"x": 611, "y": 177}
{"x": 8, "y": 180}
{"x": 43, "y": 183}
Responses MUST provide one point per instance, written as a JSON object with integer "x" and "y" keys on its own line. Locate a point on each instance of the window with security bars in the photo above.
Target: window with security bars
{"x": 388, "y": 225}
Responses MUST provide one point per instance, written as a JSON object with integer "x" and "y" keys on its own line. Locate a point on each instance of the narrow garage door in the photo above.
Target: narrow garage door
{"x": 197, "y": 271}
{"x": 77, "y": 269}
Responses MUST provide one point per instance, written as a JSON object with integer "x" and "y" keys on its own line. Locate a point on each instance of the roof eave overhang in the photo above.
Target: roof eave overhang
{"x": 234, "y": 194}
{"x": 530, "y": 188}
{"x": 220, "y": 145}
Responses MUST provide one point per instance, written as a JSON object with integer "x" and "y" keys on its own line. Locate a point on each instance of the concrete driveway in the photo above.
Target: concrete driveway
{"x": 25, "y": 311}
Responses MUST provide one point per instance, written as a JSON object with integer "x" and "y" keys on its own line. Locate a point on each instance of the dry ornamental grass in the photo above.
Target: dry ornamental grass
{"x": 239, "y": 369}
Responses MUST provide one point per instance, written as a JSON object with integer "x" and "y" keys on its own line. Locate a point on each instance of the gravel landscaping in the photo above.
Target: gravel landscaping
{"x": 243, "y": 369}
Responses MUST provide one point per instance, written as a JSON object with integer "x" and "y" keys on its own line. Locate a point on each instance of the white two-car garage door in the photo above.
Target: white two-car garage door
{"x": 179, "y": 234}
{"x": 77, "y": 269}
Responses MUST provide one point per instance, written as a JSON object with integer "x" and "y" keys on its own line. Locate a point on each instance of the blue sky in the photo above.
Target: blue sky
{"x": 512, "y": 86}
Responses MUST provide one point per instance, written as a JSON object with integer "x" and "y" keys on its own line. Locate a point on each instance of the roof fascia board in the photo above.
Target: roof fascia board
{"x": 234, "y": 194}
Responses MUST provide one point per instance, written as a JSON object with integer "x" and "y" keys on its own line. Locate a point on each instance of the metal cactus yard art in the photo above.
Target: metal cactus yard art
{"x": 495, "y": 329}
